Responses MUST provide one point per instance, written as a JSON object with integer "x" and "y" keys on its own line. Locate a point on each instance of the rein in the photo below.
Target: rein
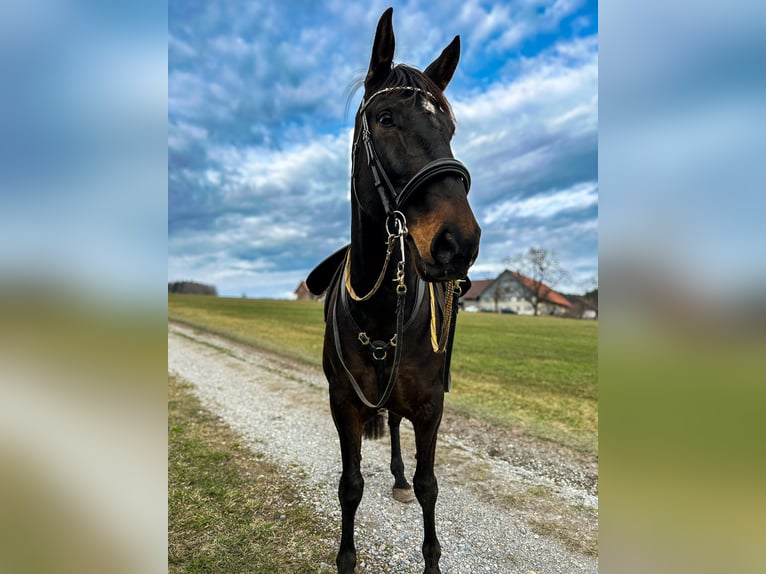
{"x": 392, "y": 201}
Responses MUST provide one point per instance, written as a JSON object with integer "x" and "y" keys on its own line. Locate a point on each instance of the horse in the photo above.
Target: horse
{"x": 392, "y": 294}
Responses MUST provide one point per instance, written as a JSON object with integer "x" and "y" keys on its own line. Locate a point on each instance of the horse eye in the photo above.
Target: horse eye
{"x": 385, "y": 119}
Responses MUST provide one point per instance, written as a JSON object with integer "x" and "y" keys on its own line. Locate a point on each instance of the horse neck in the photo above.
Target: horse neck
{"x": 368, "y": 250}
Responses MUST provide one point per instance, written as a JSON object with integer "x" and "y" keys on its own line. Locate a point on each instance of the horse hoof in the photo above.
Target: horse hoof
{"x": 405, "y": 495}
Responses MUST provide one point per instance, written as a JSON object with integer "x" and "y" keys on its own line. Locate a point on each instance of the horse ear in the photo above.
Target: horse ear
{"x": 382, "y": 50}
{"x": 442, "y": 68}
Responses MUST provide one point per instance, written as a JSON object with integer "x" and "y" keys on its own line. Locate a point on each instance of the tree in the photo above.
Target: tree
{"x": 192, "y": 288}
{"x": 592, "y": 296}
{"x": 543, "y": 272}
{"x": 497, "y": 292}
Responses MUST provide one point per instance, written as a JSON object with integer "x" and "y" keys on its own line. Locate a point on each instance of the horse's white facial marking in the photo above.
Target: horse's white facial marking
{"x": 428, "y": 106}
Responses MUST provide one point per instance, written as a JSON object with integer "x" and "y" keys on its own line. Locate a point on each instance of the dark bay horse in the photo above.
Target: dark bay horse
{"x": 392, "y": 298}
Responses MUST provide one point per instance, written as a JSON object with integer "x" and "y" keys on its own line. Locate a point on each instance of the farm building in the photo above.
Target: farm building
{"x": 510, "y": 292}
{"x": 583, "y": 307}
{"x": 302, "y": 293}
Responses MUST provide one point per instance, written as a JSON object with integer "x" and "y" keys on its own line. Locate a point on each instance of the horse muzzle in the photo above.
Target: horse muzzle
{"x": 451, "y": 253}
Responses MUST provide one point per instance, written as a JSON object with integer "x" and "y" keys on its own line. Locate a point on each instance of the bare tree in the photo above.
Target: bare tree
{"x": 592, "y": 296}
{"x": 542, "y": 269}
{"x": 497, "y": 293}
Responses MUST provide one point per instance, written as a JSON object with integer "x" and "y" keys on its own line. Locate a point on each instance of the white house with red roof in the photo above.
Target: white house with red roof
{"x": 510, "y": 292}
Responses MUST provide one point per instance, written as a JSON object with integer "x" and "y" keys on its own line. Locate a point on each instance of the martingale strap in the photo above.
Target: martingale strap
{"x": 394, "y": 376}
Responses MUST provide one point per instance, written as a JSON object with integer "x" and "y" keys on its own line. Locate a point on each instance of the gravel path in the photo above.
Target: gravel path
{"x": 494, "y": 497}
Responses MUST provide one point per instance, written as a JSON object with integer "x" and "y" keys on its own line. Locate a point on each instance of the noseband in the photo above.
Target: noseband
{"x": 391, "y": 199}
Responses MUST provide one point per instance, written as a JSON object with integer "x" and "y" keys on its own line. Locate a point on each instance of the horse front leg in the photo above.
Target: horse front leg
{"x": 351, "y": 485}
{"x": 402, "y": 490}
{"x": 424, "y": 482}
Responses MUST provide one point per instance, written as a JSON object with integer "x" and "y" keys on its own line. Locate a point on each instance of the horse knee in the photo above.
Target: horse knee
{"x": 350, "y": 489}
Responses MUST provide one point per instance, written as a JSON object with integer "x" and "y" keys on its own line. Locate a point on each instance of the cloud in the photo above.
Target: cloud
{"x": 259, "y": 150}
{"x": 546, "y": 205}
{"x": 285, "y": 210}
{"x": 531, "y": 143}
{"x": 501, "y": 27}
{"x": 181, "y": 135}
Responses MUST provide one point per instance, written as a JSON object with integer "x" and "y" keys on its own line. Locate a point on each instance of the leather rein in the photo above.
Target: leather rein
{"x": 396, "y": 228}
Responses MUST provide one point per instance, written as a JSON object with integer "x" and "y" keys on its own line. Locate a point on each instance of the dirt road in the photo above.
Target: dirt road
{"x": 507, "y": 504}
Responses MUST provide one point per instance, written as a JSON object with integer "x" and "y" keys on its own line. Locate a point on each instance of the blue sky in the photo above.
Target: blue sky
{"x": 259, "y": 137}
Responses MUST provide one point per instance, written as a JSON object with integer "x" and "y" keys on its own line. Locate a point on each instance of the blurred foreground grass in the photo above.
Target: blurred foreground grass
{"x": 682, "y": 464}
{"x": 82, "y": 435}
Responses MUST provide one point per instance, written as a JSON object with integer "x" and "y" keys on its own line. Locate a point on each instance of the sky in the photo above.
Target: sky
{"x": 259, "y": 131}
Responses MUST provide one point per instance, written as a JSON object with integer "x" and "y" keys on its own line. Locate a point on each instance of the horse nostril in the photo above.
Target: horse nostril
{"x": 444, "y": 247}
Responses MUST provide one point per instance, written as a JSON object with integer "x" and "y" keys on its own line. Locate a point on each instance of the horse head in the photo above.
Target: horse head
{"x": 403, "y": 160}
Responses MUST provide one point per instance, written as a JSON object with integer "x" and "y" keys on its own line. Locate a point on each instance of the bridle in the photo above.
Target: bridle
{"x": 391, "y": 199}
{"x": 396, "y": 228}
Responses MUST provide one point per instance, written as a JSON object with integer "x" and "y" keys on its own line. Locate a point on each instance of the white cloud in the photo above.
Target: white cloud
{"x": 181, "y": 134}
{"x": 265, "y": 188}
{"x": 179, "y": 48}
{"x": 502, "y": 27}
{"x": 516, "y": 135}
{"x": 318, "y": 171}
{"x": 233, "y": 231}
{"x": 546, "y": 205}
{"x": 552, "y": 90}
{"x": 186, "y": 94}
{"x": 231, "y": 46}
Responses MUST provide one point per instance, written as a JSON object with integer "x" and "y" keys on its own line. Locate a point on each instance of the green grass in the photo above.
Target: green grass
{"x": 291, "y": 328}
{"x": 228, "y": 511}
{"x": 537, "y": 375}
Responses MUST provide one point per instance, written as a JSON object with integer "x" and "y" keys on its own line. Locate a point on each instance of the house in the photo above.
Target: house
{"x": 510, "y": 292}
{"x": 583, "y": 307}
{"x": 470, "y": 299}
{"x": 302, "y": 293}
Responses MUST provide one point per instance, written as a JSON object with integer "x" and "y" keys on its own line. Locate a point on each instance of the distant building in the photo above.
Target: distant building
{"x": 583, "y": 307}
{"x": 510, "y": 292}
{"x": 302, "y": 293}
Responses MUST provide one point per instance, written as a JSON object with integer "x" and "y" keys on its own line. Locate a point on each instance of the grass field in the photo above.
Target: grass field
{"x": 537, "y": 375}
{"x": 228, "y": 510}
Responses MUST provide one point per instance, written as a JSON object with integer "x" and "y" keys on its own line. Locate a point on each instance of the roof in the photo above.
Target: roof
{"x": 480, "y": 285}
{"x": 477, "y": 288}
{"x": 548, "y": 294}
